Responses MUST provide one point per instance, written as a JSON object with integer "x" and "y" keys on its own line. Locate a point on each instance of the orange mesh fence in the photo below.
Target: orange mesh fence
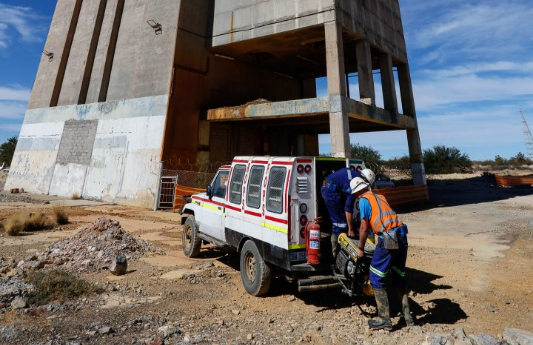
{"x": 182, "y": 191}
{"x": 511, "y": 181}
{"x": 399, "y": 197}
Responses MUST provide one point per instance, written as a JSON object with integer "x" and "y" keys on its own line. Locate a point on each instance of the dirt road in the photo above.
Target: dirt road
{"x": 469, "y": 267}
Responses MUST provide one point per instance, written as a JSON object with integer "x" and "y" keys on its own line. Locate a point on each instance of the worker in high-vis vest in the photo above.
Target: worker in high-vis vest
{"x": 390, "y": 256}
{"x": 338, "y": 197}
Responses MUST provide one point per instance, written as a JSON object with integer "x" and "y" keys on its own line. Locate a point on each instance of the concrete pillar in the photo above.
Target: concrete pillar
{"x": 387, "y": 84}
{"x": 203, "y": 142}
{"x": 415, "y": 155}
{"x": 367, "y": 93}
{"x": 406, "y": 90}
{"x": 338, "y": 121}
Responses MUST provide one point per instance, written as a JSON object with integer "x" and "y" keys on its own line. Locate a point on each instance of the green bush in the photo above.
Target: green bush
{"x": 57, "y": 285}
{"x": 446, "y": 160}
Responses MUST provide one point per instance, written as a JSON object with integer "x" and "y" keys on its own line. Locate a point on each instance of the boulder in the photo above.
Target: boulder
{"x": 19, "y": 303}
{"x": 119, "y": 266}
{"x": 486, "y": 339}
{"x": 517, "y": 336}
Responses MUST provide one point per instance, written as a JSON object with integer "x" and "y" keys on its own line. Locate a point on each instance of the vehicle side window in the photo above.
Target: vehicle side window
{"x": 253, "y": 198}
{"x": 235, "y": 188}
{"x": 219, "y": 185}
{"x": 275, "y": 189}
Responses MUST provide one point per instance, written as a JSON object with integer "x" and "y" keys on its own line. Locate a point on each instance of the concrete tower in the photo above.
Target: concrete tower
{"x": 125, "y": 85}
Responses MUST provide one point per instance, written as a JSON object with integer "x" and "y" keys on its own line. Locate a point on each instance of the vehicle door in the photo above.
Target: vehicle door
{"x": 253, "y": 215}
{"x": 234, "y": 214}
{"x": 212, "y": 222}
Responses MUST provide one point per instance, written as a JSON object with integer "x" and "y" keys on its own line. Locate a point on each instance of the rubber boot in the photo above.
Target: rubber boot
{"x": 402, "y": 296}
{"x": 383, "y": 320}
{"x": 334, "y": 245}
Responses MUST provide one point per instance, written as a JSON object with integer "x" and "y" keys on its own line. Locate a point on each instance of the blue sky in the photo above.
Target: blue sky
{"x": 471, "y": 65}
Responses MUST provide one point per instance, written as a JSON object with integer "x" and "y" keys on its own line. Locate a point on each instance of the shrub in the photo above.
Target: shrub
{"x": 446, "y": 160}
{"x": 20, "y": 222}
{"x": 60, "y": 215}
{"x": 366, "y": 153}
{"x": 14, "y": 225}
{"x": 57, "y": 285}
{"x": 75, "y": 196}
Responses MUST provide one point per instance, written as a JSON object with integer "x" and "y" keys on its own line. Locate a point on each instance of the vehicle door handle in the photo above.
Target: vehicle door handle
{"x": 220, "y": 208}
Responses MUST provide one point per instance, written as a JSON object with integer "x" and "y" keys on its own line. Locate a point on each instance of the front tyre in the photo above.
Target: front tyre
{"x": 255, "y": 272}
{"x": 190, "y": 242}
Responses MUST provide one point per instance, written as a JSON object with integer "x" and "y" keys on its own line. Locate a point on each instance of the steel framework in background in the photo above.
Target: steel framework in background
{"x": 527, "y": 135}
{"x": 184, "y": 173}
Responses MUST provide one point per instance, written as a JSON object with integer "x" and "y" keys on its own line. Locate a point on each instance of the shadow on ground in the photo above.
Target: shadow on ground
{"x": 446, "y": 193}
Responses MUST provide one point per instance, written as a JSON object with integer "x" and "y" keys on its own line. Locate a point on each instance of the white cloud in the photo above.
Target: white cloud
{"x": 22, "y": 20}
{"x": 10, "y": 127}
{"x": 12, "y": 110}
{"x": 16, "y": 93}
{"x": 476, "y": 29}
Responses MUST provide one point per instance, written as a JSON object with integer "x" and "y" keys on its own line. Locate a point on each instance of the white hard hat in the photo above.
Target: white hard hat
{"x": 368, "y": 175}
{"x": 357, "y": 184}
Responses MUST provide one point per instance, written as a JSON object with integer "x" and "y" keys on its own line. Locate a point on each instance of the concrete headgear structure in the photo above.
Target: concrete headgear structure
{"x": 125, "y": 85}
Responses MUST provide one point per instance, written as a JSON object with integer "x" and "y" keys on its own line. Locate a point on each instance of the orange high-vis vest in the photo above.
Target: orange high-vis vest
{"x": 383, "y": 216}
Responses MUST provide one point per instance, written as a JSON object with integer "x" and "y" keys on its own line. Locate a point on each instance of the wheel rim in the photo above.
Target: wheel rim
{"x": 188, "y": 237}
{"x": 250, "y": 266}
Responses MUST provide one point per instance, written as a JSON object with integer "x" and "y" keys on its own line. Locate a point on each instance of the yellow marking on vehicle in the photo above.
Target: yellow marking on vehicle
{"x": 274, "y": 227}
{"x": 211, "y": 207}
{"x": 297, "y": 246}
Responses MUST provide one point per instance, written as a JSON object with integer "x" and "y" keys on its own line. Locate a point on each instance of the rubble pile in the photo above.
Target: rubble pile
{"x": 95, "y": 246}
{"x": 12, "y": 285}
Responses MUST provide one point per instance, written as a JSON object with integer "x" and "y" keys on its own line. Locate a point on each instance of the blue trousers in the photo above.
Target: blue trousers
{"x": 335, "y": 205}
{"x": 389, "y": 262}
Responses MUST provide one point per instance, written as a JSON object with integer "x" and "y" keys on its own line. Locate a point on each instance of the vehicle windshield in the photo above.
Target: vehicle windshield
{"x": 220, "y": 183}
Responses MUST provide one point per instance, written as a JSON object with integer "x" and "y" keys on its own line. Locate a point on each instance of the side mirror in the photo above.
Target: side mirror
{"x": 209, "y": 191}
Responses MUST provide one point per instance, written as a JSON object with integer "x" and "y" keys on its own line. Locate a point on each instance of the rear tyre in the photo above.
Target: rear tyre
{"x": 190, "y": 242}
{"x": 256, "y": 274}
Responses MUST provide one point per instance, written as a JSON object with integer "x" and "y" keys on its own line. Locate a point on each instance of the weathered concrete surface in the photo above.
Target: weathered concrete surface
{"x": 43, "y": 87}
{"x": 124, "y": 157}
{"x": 75, "y": 69}
{"x": 142, "y": 65}
{"x": 311, "y": 107}
{"x": 246, "y": 19}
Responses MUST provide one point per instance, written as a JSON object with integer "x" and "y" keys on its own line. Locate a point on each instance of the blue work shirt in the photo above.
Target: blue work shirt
{"x": 340, "y": 182}
{"x": 365, "y": 210}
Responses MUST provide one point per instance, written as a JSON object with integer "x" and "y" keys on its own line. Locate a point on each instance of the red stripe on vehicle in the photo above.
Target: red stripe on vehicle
{"x": 233, "y": 208}
{"x": 277, "y": 220}
{"x": 239, "y": 161}
{"x": 209, "y": 201}
{"x": 260, "y": 162}
{"x": 283, "y": 163}
{"x": 304, "y": 161}
{"x": 287, "y": 189}
{"x": 255, "y": 214}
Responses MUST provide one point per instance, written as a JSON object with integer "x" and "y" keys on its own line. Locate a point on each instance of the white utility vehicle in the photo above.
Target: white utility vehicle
{"x": 262, "y": 207}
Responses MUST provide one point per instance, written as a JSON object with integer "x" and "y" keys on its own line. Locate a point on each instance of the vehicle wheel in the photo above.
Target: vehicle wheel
{"x": 255, "y": 272}
{"x": 190, "y": 242}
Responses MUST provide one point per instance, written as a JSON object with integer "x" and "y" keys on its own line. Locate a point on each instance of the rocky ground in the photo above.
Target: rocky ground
{"x": 469, "y": 264}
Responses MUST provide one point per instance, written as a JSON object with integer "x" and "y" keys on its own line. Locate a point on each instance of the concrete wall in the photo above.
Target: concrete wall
{"x": 45, "y": 80}
{"x": 143, "y": 60}
{"x": 379, "y": 21}
{"x": 236, "y": 21}
{"x": 124, "y": 155}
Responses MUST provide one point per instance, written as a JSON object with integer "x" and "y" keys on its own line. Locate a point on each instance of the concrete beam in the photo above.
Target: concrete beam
{"x": 335, "y": 59}
{"x": 367, "y": 92}
{"x": 415, "y": 154}
{"x": 387, "y": 83}
{"x": 339, "y": 125}
{"x": 406, "y": 90}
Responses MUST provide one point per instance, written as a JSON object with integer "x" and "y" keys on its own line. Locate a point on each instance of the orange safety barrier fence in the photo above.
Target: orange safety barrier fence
{"x": 511, "y": 181}
{"x": 399, "y": 197}
{"x": 180, "y": 192}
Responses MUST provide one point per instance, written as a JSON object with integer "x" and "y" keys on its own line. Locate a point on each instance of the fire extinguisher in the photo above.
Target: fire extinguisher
{"x": 312, "y": 240}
